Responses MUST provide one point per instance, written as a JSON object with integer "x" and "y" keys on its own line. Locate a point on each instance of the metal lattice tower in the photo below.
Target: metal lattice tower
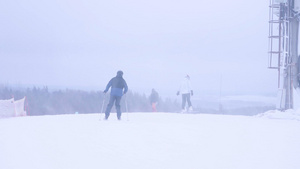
{"x": 283, "y": 48}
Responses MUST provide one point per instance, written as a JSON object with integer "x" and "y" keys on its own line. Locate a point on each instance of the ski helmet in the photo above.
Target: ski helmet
{"x": 120, "y": 73}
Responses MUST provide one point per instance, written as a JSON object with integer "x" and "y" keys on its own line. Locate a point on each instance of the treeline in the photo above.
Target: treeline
{"x": 40, "y": 101}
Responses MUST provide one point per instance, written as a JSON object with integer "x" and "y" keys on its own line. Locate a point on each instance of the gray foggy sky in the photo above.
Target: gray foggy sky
{"x": 73, "y": 43}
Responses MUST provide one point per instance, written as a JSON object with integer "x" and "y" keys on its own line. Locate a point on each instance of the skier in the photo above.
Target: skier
{"x": 186, "y": 91}
{"x": 154, "y": 100}
{"x": 117, "y": 85}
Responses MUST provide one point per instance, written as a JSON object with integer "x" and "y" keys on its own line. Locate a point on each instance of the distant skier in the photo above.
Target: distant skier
{"x": 186, "y": 91}
{"x": 154, "y": 100}
{"x": 117, "y": 85}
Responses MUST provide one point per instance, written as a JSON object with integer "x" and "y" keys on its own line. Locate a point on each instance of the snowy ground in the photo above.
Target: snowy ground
{"x": 151, "y": 141}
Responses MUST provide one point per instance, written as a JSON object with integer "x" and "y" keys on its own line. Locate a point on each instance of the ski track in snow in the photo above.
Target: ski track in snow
{"x": 150, "y": 141}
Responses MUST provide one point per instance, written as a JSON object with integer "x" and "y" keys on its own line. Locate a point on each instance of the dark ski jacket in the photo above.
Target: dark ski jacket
{"x": 117, "y": 85}
{"x": 154, "y": 96}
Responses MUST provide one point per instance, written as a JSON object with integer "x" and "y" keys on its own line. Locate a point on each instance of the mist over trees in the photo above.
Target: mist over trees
{"x": 41, "y": 101}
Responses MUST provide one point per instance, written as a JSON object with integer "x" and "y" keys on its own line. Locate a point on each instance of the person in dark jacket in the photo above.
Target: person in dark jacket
{"x": 117, "y": 85}
{"x": 154, "y": 100}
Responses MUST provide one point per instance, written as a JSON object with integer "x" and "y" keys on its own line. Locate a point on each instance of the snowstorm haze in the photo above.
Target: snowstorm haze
{"x": 82, "y": 44}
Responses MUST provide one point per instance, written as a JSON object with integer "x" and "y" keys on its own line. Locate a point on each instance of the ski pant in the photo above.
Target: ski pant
{"x": 113, "y": 99}
{"x": 154, "y": 107}
{"x": 186, "y": 98}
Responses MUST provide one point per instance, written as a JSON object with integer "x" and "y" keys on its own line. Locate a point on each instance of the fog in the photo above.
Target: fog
{"x": 222, "y": 45}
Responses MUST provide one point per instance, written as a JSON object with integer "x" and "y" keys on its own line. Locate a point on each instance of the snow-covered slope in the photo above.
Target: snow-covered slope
{"x": 150, "y": 141}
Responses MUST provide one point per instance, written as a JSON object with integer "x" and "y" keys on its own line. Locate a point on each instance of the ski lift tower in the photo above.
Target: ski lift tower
{"x": 284, "y": 18}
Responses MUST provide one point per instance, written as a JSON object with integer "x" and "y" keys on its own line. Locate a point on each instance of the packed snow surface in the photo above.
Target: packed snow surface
{"x": 151, "y": 141}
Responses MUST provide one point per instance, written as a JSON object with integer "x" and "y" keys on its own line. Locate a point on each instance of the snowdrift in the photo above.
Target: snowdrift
{"x": 286, "y": 115}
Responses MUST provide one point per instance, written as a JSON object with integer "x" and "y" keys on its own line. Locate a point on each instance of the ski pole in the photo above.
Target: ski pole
{"x": 102, "y": 106}
{"x": 126, "y": 107}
